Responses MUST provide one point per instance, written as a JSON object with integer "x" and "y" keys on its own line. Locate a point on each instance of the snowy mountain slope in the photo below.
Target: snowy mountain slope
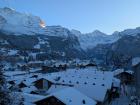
{"x": 17, "y": 23}
{"x": 20, "y": 23}
{"x": 90, "y": 40}
{"x": 132, "y": 32}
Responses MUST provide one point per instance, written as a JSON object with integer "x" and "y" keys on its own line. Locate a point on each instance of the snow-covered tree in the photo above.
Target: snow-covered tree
{"x": 4, "y": 94}
{"x": 7, "y": 97}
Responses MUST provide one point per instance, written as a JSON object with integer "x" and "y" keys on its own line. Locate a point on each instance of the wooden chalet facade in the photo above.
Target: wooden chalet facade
{"x": 49, "y": 101}
{"x": 42, "y": 84}
{"x": 136, "y": 69}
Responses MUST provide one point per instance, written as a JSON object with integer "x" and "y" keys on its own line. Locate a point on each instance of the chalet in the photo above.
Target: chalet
{"x": 34, "y": 92}
{"x": 35, "y": 64}
{"x": 67, "y": 96}
{"x": 34, "y": 76}
{"x": 126, "y": 77}
{"x": 22, "y": 85}
{"x": 136, "y": 68}
{"x": 54, "y": 68}
{"x": 24, "y": 68}
{"x": 81, "y": 66}
{"x": 49, "y": 69}
{"x": 42, "y": 84}
{"x": 14, "y": 88}
{"x": 91, "y": 65}
{"x": 46, "y": 68}
{"x": 11, "y": 82}
{"x": 62, "y": 67}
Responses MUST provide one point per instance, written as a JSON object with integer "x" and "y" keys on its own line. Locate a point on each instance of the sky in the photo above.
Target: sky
{"x": 83, "y": 15}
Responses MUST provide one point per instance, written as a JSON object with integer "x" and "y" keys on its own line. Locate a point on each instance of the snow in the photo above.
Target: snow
{"x": 97, "y": 93}
{"x": 55, "y": 88}
{"x": 28, "y": 24}
{"x": 116, "y": 82}
{"x": 29, "y": 89}
{"x": 11, "y": 73}
{"x": 24, "y": 24}
{"x": 71, "y": 96}
{"x": 58, "y": 31}
{"x": 135, "y": 61}
{"x": 37, "y": 46}
{"x": 12, "y": 52}
{"x": 93, "y": 84}
{"x": 90, "y": 40}
{"x": 119, "y": 71}
{"x": 88, "y": 82}
{"x": 131, "y": 31}
{"x": 71, "y": 77}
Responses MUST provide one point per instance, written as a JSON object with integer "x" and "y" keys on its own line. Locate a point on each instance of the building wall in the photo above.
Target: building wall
{"x": 137, "y": 79}
{"x": 50, "y": 101}
{"x": 45, "y": 84}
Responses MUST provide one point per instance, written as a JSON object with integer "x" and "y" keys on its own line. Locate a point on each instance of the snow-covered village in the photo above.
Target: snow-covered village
{"x": 43, "y": 61}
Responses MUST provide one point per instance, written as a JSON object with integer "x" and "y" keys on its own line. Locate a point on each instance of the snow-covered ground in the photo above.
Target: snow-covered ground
{"x": 89, "y": 82}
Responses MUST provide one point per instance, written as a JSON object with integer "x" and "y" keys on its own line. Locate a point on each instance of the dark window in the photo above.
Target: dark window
{"x": 85, "y": 83}
{"x": 94, "y": 84}
{"x": 84, "y": 102}
{"x": 103, "y": 84}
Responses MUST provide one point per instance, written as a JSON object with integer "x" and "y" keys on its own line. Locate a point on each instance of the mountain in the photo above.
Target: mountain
{"x": 119, "y": 53}
{"x": 132, "y": 32}
{"x": 28, "y": 32}
{"x": 13, "y": 22}
{"x": 91, "y": 40}
{"x": 20, "y": 23}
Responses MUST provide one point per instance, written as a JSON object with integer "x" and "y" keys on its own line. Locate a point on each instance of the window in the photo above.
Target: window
{"x": 103, "y": 84}
{"x": 85, "y": 83}
{"x": 84, "y": 102}
{"x": 94, "y": 84}
{"x": 77, "y": 82}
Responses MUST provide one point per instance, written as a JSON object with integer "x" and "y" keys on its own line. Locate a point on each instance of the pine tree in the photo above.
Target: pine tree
{"x": 4, "y": 94}
{"x": 7, "y": 97}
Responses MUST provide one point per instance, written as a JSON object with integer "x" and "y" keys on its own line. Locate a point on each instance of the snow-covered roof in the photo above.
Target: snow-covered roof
{"x": 12, "y": 52}
{"x": 116, "y": 82}
{"x": 71, "y": 96}
{"x": 93, "y": 84}
{"x": 135, "y": 61}
{"x": 119, "y": 71}
{"x": 55, "y": 88}
{"x": 97, "y": 93}
{"x": 29, "y": 89}
{"x": 11, "y": 73}
{"x": 82, "y": 77}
